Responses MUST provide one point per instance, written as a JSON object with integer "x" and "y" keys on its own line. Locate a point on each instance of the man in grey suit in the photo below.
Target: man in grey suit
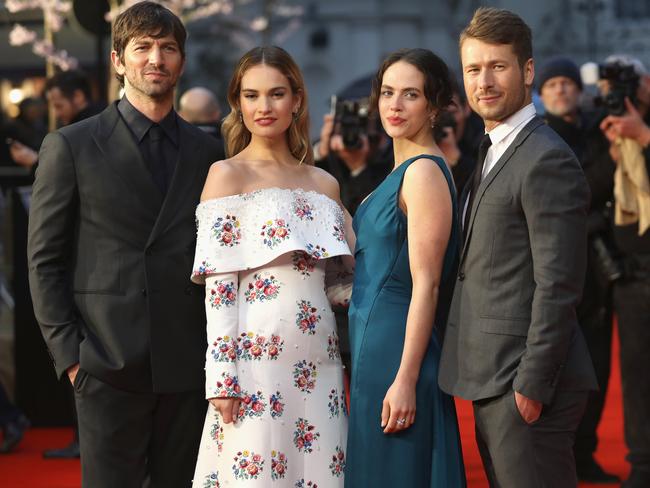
{"x": 111, "y": 244}
{"x": 512, "y": 343}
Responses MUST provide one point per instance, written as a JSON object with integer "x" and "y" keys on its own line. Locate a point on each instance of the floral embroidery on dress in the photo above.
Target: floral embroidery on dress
{"x": 337, "y": 466}
{"x": 275, "y": 231}
{"x": 274, "y": 347}
{"x": 224, "y": 349}
{"x": 333, "y": 404}
{"x": 226, "y": 231}
{"x": 229, "y": 387}
{"x": 222, "y": 294}
{"x": 278, "y": 465}
{"x": 251, "y": 406}
{"x": 307, "y": 318}
{"x": 302, "y": 209}
{"x": 277, "y": 407}
{"x": 304, "y": 376}
{"x": 205, "y": 268}
{"x": 301, "y": 484}
{"x": 333, "y": 346}
{"x": 305, "y": 435}
{"x": 316, "y": 251}
{"x": 216, "y": 433}
{"x": 303, "y": 263}
{"x": 248, "y": 465}
{"x": 339, "y": 233}
{"x": 211, "y": 480}
{"x": 262, "y": 289}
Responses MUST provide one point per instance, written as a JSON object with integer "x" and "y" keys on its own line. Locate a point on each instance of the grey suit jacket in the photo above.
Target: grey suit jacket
{"x": 110, "y": 258}
{"x": 512, "y": 323}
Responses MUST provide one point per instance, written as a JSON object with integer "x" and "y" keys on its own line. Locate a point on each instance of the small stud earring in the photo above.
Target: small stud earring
{"x": 241, "y": 117}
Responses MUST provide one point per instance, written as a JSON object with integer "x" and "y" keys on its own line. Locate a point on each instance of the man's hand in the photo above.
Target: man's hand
{"x": 630, "y": 125}
{"x": 354, "y": 159}
{"x": 72, "y": 373}
{"x": 23, "y": 155}
{"x": 529, "y": 409}
{"x": 227, "y": 407}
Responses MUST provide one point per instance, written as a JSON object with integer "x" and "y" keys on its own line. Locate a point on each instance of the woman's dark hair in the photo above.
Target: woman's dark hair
{"x": 438, "y": 88}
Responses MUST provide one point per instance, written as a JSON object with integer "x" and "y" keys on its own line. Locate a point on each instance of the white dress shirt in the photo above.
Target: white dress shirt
{"x": 502, "y": 136}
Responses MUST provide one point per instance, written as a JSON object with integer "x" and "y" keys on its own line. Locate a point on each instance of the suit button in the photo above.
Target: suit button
{"x": 461, "y": 276}
{"x": 144, "y": 292}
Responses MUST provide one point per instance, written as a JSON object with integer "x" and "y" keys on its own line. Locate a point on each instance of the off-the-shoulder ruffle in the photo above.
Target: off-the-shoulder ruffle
{"x": 248, "y": 230}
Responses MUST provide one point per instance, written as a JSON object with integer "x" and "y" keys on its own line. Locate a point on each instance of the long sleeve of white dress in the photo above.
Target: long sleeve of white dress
{"x": 222, "y": 314}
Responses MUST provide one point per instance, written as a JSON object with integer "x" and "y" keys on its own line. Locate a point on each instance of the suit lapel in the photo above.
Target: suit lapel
{"x": 496, "y": 169}
{"x": 118, "y": 146}
{"x": 185, "y": 174}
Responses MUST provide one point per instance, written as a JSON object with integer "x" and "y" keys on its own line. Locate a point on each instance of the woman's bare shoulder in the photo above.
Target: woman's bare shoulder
{"x": 224, "y": 179}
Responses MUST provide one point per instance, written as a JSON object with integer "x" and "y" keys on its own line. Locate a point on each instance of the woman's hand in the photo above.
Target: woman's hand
{"x": 227, "y": 407}
{"x": 398, "y": 412}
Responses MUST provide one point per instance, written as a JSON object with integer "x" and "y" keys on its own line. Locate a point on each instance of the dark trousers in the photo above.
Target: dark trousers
{"x": 8, "y": 411}
{"x": 132, "y": 439}
{"x": 595, "y": 319}
{"x": 632, "y": 306}
{"x": 538, "y": 455}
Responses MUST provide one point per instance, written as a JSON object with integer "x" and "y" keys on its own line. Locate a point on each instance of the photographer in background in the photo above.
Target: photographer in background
{"x": 560, "y": 88}
{"x": 625, "y": 86}
{"x": 354, "y": 150}
{"x": 458, "y": 133}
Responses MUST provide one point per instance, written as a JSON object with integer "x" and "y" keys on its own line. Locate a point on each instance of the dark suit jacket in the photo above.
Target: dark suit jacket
{"x": 512, "y": 321}
{"x": 110, "y": 260}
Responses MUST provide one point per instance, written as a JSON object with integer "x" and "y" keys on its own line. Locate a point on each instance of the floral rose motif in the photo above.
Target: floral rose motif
{"x": 307, "y": 318}
{"x": 205, "y": 268}
{"x": 303, "y": 263}
{"x": 303, "y": 209}
{"x": 305, "y": 435}
{"x": 228, "y": 387}
{"x": 301, "y": 484}
{"x": 223, "y": 294}
{"x": 333, "y": 346}
{"x": 333, "y": 403}
{"x": 211, "y": 480}
{"x": 278, "y": 465}
{"x": 216, "y": 433}
{"x": 337, "y": 466}
{"x": 248, "y": 465}
{"x": 277, "y": 407}
{"x": 226, "y": 231}
{"x": 304, "y": 376}
{"x": 224, "y": 349}
{"x": 274, "y": 347}
{"x": 251, "y": 406}
{"x": 275, "y": 231}
{"x": 262, "y": 289}
{"x": 339, "y": 233}
{"x": 316, "y": 251}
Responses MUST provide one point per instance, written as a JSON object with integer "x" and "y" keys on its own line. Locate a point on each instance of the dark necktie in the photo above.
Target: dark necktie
{"x": 157, "y": 163}
{"x": 483, "y": 147}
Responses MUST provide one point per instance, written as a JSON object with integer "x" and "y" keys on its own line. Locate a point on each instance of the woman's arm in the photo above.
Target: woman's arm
{"x": 426, "y": 199}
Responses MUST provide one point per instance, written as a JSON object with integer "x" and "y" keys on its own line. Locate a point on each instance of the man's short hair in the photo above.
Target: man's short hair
{"x": 499, "y": 26}
{"x": 69, "y": 82}
{"x": 146, "y": 19}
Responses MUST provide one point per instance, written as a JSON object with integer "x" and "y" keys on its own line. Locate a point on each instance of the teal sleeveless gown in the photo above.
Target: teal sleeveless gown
{"x": 427, "y": 454}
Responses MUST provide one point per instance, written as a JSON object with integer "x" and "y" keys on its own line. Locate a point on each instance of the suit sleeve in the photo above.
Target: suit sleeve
{"x": 52, "y": 215}
{"x": 555, "y": 198}
{"x": 222, "y": 313}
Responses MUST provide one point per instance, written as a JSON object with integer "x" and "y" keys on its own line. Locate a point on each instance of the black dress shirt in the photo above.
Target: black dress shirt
{"x": 161, "y": 166}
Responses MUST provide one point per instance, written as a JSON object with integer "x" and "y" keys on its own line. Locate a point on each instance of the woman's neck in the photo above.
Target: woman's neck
{"x": 404, "y": 148}
{"x": 267, "y": 149}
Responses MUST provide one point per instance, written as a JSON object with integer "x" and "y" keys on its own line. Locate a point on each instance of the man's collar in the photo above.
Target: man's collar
{"x": 140, "y": 123}
{"x": 501, "y": 131}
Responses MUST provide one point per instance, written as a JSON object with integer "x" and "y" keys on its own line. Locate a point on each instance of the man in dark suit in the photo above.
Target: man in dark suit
{"x": 512, "y": 343}
{"x": 111, "y": 244}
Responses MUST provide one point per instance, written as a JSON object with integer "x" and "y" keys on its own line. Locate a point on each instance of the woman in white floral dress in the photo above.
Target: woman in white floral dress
{"x": 268, "y": 225}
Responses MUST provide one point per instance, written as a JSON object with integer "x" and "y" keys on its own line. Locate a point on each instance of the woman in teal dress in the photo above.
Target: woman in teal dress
{"x": 403, "y": 430}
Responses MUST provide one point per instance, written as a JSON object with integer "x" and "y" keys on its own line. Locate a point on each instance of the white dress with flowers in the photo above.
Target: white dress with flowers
{"x": 272, "y": 340}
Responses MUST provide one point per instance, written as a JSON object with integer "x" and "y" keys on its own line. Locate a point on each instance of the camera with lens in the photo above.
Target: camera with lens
{"x": 623, "y": 82}
{"x": 351, "y": 121}
{"x": 600, "y": 241}
{"x": 443, "y": 120}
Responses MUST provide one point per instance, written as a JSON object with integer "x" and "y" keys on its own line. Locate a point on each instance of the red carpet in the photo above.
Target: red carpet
{"x": 27, "y": 469}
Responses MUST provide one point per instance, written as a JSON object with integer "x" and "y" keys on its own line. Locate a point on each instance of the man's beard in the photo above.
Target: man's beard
{"x": 151, "y": 89}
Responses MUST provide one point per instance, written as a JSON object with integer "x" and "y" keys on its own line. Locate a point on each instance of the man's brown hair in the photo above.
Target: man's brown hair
{"x": 499, "y": 26}
{"x": 146, "y": 19}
